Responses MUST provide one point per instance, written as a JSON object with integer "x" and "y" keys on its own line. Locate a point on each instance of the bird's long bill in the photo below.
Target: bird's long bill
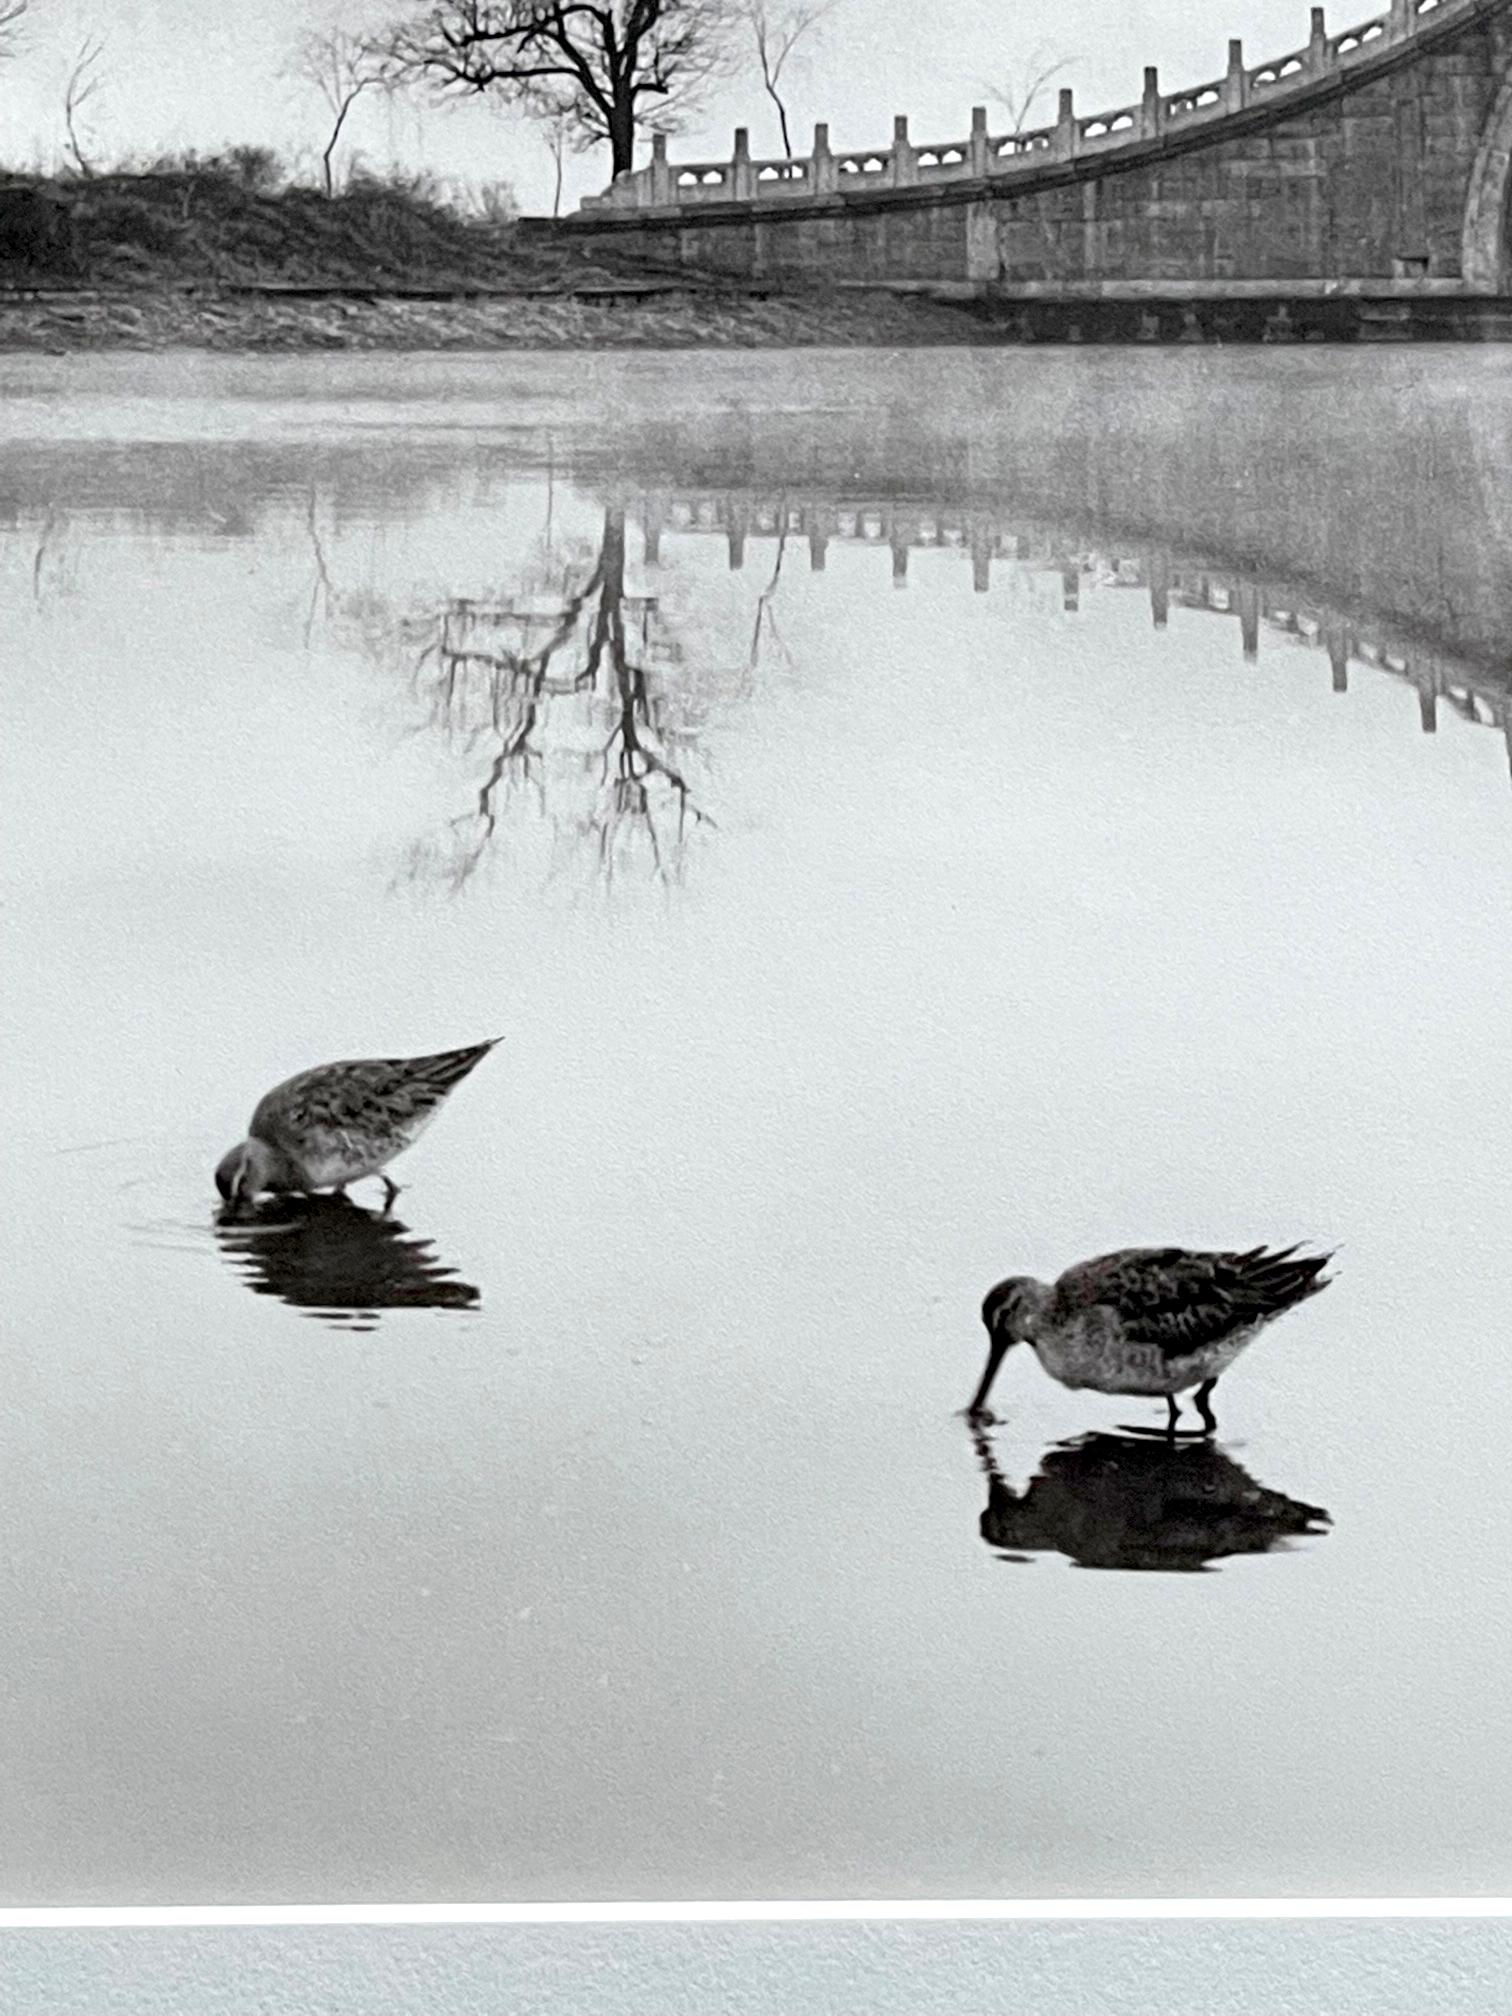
{"x": 996, "y": 1351}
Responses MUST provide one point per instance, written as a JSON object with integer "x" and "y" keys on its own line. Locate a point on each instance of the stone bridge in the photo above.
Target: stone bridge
{"x": 1368, "y": 161}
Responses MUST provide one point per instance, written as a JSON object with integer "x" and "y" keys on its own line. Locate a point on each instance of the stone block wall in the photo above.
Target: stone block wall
{"x": 1369, "y": 185}
{"x": 1368, "y": 181}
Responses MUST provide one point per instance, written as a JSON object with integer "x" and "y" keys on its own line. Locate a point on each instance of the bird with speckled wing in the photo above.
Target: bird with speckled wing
{"x": 1151, "y": 1320}
{"x": 336, "y": 1124}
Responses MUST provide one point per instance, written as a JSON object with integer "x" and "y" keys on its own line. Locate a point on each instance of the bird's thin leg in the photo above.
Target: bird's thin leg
{"x": 390, "y": 1192}
{"x": 1173, "y": 1414}
{"x": 1209, "y": 1418}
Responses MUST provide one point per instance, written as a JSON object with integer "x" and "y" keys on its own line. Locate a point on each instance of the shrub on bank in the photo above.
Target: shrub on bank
{"x": 236, "y": 216}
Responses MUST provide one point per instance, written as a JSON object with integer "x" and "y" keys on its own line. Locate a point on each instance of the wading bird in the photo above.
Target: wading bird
{"x": 1149, "y": 1320}
{"x": 325, "y": 1128}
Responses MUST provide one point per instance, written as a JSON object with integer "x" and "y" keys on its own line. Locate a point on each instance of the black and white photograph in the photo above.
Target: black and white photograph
{"x": 758, "y": 819}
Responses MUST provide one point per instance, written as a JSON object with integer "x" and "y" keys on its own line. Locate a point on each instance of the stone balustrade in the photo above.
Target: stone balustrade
{"x": 672, "y": 185}
{"x": 986, "y": 538}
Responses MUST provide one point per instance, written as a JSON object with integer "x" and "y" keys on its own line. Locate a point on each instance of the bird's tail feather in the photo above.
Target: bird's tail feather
{"x": 1277, "y": 1280}
{"x": 449, "y": 1067}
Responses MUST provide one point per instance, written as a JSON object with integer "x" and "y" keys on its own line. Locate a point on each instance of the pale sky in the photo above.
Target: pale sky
{"x": 180, "y": 73}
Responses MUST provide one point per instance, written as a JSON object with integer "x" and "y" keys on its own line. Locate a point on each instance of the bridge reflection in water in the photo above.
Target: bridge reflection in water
{"x": 1171, "y": 580}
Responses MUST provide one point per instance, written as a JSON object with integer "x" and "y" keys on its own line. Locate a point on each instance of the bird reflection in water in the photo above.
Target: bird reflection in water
{"x": 1121, "y": 1501}
{"x": 339, "y": 1262}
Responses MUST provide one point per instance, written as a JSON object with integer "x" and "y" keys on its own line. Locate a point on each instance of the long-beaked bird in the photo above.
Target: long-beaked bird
{"x": 1147, "y": 1320}
{"x": 338, "y": 1123}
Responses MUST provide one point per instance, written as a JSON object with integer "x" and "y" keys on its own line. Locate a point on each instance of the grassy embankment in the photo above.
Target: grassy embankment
{"x": 223, "y": 255}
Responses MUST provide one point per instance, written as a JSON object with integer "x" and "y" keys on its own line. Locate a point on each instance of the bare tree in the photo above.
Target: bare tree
{"x": 556, "y": 141}
{"x": 341, "y": 66}
{"x": 776, "y": 31}
{"x": 764, "y": 624}
{"x": 558, "y": 120}
{"x": 84, "y": 84}
{"x": 619, "y": 66}
{"x": 570, "y": 695}
{"x": 1018, "y": 90}
{"x": 559, "y": 126}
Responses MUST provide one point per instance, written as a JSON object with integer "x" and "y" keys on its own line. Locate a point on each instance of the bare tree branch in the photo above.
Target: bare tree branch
{"x": 556, "y": 140}
{"x": 561, "y": 128}
{"x": 12, "y": 14}
{"x": 341, "y": 66}
{"x": 776, "y": 31}
{"x": 565, "y": 692}
{"x": 764, "y": 624}
{"x": 83, "y": 85}
{"x": 612, "y": 67}
{"x": 1018, "y": 90}
{"x": 321, "y": 594}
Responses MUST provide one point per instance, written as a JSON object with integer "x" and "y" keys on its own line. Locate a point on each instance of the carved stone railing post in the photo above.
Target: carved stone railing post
{"x": 1248, "y": 598}
{"x": 1317, "y": 42}
{"x": 824, "y": 177}
{"x": 1337, "y": 641}
{"x": 735, "y": 540}
{"x": 1065, "y": 127}
{"x": 661, "y": 174}
{"x": 1402, "y": 20}
{"x": 979, "y": 540}
{"x": 1160, "y": 587}
{"x": 905, "y": 165}
{"x": 742, "y": 180}
{"x": 1151, "y": 109}
{"x": 979, "y": 139}
{"x": 1235, "y": 84}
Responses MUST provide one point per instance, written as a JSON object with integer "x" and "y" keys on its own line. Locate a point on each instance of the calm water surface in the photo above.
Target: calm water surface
{"x": 912, "y": 819}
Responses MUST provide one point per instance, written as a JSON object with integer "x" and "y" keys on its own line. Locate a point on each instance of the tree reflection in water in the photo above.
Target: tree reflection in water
{"x": 567, "y": 696}
{"x": 1120, "y": 1501}
{"x": 565, "y": 687}
{"x": 338, "y": 1261}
